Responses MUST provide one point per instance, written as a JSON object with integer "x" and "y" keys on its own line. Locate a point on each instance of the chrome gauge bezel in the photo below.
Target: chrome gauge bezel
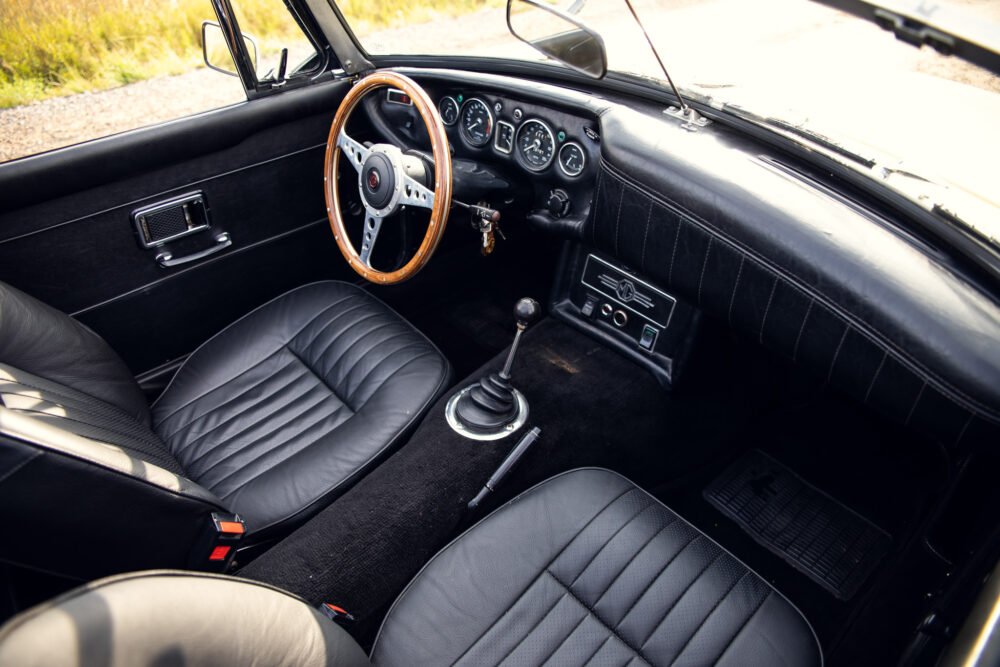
{"x": 520, "y": 154}
{"x": 458, "y": 110}
{"x": 559, "y": 159}
{"x": 497, "y": 134}
{"x": 461, "y": 123}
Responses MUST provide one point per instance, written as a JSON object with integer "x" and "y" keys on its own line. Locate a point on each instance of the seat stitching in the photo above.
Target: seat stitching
{"x": 160, "y": 422}
{"x": 742, "y": 627}
{"x": 351, "y": 328}
{"x": 680, "y": 597}
{"x": 336, "y": 318}
{"x": 274, "y": 446}
{"x": 345, "y": 377}
{"x": 597, "y": 650}
{"x": 532, "y": 629}
{"x": 656, "y": 576}
{"x": 613, "y": 629}
{"x": 291, "y": 455}
{"x": 280, "y": 348}
{"x": 383, "y": 360}
{"x": 282, "y": 423}
{"x": 541, "y": 572}
{"x": 565, "y": 639}
{"x": 634, "y": 556}
{"x": 242, "y": 448}
{"x": 428, "y": 353}
{"x": 707, "y": 616}
{"x": 244, "y": 409}
{"x": 608, "y": 541}
{"x": 260, "y": 418}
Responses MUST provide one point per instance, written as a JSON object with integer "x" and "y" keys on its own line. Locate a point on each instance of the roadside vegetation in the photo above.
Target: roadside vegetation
{"x": 60, "y": 47}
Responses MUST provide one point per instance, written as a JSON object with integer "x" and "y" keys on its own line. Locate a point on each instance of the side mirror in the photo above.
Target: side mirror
{"x": 215, "y": 49}
{"x": 558, "y": 35}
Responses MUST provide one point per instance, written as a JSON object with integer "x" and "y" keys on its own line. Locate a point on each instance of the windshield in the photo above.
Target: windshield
{"x": 912, "y": 111}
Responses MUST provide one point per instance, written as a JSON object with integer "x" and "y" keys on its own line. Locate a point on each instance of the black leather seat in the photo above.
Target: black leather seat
{"x": 271, "y": 419}
{"x": 585, "y": 568}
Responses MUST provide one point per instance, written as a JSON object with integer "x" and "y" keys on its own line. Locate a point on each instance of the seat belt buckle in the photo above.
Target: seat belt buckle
{"x": 216, "y": 546}
{"x": 337, "y": 614}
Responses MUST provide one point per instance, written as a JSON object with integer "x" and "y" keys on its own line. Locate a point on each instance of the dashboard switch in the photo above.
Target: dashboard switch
{"x": 588, "y": 307}
{"x": 558, "y": 203}
{"x": 648, "y": 337}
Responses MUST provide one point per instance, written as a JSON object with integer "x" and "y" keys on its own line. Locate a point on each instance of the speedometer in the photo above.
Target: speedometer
{"x": 536, "y": 145}
{"x": 477, "y": 122}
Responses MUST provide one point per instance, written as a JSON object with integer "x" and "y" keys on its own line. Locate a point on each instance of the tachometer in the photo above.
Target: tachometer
{"x": 572, "y": 159}
{"x": 536, "y": 145}
{"x": 477, "y": 122}
{"x": 449, "y": 110}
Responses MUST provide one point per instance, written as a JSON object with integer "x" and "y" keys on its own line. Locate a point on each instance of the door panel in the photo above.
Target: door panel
{"x": 67, "y": 236}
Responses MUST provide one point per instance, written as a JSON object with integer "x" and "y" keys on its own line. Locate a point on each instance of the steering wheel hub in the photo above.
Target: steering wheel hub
{"x": 378, "y": 181}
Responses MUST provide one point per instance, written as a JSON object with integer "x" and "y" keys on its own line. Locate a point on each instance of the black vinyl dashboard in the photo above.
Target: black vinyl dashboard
{"x": 749, "y": 234}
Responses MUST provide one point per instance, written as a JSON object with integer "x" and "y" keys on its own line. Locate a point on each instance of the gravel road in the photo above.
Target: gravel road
{"x": 819, "y": 55}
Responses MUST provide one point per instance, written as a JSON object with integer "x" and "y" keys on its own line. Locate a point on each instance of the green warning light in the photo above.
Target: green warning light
{"x": 561, "y": 136}
{"x": 459, "y": 98}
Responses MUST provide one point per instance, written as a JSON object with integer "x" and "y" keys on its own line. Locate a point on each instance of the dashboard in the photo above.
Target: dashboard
{"x": 549, "y": 155}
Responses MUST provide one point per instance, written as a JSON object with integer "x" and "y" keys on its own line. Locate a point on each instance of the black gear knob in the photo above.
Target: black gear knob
{"x": 526, "y": 311}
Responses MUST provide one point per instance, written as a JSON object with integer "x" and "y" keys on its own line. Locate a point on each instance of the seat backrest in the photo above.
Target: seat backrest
{"x": 177, "y": 618}
{"x": 86, "y": 487}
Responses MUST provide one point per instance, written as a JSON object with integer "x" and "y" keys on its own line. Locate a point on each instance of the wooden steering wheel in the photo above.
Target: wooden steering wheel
{"x": 387, "y": 180}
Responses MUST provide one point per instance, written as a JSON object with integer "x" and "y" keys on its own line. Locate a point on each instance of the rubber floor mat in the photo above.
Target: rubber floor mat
{"x": 825, "y": 540}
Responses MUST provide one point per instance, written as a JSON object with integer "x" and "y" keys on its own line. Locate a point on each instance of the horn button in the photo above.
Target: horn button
{"x": 378, "y": 180}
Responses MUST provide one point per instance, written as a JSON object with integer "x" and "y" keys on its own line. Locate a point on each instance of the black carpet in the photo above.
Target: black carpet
{"x": 593, "y": 407}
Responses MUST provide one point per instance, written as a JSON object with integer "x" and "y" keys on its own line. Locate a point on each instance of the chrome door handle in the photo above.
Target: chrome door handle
{"x": 222, "y": 241}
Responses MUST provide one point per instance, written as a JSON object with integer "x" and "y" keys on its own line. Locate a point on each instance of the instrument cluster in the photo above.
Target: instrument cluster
{"x": 536, "y": 143}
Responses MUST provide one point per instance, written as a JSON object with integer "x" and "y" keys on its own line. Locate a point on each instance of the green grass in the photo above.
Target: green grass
{"x": 60, "y": 47}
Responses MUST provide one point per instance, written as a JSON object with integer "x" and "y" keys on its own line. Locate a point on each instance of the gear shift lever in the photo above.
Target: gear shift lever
{"x": 492, "y": 408}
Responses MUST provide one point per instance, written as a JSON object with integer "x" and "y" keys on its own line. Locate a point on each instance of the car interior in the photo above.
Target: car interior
{"x": 441, "y": 364}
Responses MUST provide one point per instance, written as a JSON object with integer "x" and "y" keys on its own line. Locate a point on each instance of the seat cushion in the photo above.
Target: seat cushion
{"x": 284, "y": 409}
{"x": 176, "y": 618}
{"x": 586, "y": 568}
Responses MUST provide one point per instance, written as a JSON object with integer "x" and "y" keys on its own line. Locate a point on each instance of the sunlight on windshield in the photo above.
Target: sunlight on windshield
{"x": 790, "y": 59}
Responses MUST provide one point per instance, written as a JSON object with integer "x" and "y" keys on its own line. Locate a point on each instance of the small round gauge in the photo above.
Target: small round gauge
{"x": 572, "y": 159}
{"x": 477, "y": 122}
{"x": 536, "y": 145}
{"x": 449, "y": 110}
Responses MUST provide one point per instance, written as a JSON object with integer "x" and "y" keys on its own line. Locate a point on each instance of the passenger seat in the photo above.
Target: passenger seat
{"x": 585, "y": 568}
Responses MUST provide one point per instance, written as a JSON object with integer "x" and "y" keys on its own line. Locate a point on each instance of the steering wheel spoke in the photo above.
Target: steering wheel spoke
{"x": 355, "y": 152}
{"x": 373, "y": 224}
{"x": 414, "y": 193}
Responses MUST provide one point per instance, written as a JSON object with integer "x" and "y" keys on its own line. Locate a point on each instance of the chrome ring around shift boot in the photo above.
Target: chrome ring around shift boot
{"x": 502, "y": 432}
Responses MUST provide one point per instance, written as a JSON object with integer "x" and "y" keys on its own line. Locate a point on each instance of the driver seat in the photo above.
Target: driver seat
{"x": 271, "y": 419}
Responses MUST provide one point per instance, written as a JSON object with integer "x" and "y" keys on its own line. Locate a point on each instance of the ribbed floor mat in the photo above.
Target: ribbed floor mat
{"x": 830, "y": 543}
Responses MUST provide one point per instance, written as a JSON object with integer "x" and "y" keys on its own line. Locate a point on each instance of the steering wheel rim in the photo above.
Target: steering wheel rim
{"x": 408, "y": 192}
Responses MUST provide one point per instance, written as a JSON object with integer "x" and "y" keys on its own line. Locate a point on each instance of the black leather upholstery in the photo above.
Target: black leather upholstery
{"x": 802, "y": 271}
{"x": 283, "y": 409}
{"x": 161, "y": 618}
{"x": 587, "y": 568}
{"x": 40, "y": 340}
{"x": 270, "y": 419}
